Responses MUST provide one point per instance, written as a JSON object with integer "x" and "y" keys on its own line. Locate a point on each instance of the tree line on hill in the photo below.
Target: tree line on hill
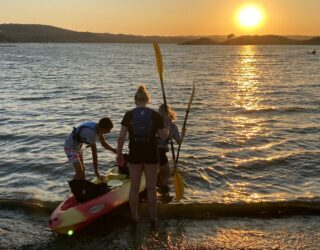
{"x": 35, "y": 33}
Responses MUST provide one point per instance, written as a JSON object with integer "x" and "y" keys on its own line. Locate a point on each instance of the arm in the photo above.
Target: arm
{"x": 105, "y": 144}
{"x": 163, "y": 133}
{"x": 95, "y": 159}
{"x": 121, "y": 140}
{"x": 176, "y": 135}
{"x": 183, "y": 133}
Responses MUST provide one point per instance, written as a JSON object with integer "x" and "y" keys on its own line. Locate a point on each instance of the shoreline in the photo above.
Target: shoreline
{"x": 29, "y": 231}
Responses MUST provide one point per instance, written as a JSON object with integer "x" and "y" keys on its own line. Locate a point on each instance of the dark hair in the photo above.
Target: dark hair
{"x": 105, "y": 123}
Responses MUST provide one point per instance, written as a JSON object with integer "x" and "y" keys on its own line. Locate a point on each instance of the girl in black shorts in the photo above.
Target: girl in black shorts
{"x": 143, "y": 125}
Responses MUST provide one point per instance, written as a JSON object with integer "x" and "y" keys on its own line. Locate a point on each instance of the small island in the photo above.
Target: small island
{"x": 255, "y": 40}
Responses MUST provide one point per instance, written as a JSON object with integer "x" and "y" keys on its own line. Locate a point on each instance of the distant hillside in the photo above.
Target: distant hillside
{"x": 200, "y": 41}
{"x": 296, "y": 37}
{"x": 44, "y": 33}
{"x": 36, "y": 33}
{"x": 5, "y": 39}
{"x": 312, "y": 41}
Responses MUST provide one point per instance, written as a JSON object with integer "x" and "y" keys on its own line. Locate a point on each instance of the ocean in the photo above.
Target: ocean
{"x": 250, "y": 158}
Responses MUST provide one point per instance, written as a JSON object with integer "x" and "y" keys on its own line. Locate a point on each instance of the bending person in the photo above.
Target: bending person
{"x": 87, "y": 133}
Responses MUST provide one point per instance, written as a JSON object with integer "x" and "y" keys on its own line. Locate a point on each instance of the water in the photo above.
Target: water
{"x": 249, "y": 159}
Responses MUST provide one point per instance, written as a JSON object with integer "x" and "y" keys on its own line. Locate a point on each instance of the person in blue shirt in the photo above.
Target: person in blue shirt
{"x": 87, "y": 133}
{"x": 165, "y": 172}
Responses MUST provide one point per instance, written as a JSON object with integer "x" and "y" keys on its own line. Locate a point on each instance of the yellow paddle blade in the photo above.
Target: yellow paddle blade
{"x": 159, "y": 59}
{"x": 178, "y": 185}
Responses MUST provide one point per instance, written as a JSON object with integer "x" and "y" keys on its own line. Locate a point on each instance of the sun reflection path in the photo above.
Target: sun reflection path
{"x": 246, "y": 80}
{"x": 246, "y": 96}
{"x": 249, "y": 127}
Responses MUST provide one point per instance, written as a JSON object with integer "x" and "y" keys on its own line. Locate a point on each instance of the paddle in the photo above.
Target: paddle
{"x": 178, "y": 181}
{"x": 177, "y": 178}
{"x": 185, "y": 121}
{"x": 160, "y": 71}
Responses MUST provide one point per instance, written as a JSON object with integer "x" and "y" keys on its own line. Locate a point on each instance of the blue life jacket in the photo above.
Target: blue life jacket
{"x": 142, "y": 121}
{"x": 76, "y": 131}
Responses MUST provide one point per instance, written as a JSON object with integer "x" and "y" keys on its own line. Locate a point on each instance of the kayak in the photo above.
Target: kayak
{"x": 71, "y": 215}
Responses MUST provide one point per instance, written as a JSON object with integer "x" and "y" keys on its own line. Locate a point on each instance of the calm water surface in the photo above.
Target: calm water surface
{"x": 252, "y": 138}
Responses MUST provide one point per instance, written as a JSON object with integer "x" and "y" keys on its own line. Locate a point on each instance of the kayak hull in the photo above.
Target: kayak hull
{"x": 71, "y": 216}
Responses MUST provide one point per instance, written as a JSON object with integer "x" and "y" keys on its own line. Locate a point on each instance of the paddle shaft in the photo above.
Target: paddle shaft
{"x": 177, "y": 179}
{"x": 184, "y": 126}
{"x": 166, "y": 107}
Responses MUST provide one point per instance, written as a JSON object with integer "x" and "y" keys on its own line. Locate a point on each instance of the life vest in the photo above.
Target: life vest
{"x": 76, "y": 131}
{"x": 142, "y": 121}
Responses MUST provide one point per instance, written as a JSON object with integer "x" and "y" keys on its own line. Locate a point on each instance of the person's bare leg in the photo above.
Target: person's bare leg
{"x": 164, "y": 175}
{"x": 151, "y": 171}
{"x": 80, "y": 171}
{"x": 81, "y": 158}
{"x": 135, "y": 171}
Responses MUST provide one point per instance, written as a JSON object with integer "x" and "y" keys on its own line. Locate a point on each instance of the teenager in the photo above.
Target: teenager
{"x": 144, "y": 125}
{"x": 87, "y": 133}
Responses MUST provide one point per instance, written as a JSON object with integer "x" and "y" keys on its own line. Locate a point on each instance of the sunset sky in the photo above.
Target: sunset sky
{"x": 167, "y": 17}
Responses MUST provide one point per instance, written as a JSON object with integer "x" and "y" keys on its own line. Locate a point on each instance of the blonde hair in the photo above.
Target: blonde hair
{"x": 171, "y": 113}
{"x": 142, "y": 94}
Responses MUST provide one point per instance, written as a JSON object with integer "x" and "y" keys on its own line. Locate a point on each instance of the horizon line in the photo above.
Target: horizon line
{"x": 130, "y": 34}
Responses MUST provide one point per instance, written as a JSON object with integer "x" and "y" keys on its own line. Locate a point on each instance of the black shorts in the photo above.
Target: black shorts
{"x": 163, "y": 159}
{"x": 148, "y": 155}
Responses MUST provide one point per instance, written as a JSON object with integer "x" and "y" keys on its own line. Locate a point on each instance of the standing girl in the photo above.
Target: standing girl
{"x": 165, "y": 172}
{"x": 143, "y": 125}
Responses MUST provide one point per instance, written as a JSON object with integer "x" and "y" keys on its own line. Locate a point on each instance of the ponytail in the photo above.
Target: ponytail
{"x": 142, "y": 94}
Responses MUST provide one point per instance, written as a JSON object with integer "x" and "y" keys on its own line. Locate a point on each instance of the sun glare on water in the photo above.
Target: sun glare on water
{"x": 249, "y": 16}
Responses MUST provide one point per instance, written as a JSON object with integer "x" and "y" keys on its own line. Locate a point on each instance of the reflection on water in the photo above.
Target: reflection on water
{"x": 246, "y": 94}
{"x": 247, "y": 128}
{"x": 251, "y": 133}
{"x": 246, "y": 79}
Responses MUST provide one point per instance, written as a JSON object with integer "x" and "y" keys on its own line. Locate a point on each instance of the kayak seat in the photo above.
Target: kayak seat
{"x": 84, "y": 190}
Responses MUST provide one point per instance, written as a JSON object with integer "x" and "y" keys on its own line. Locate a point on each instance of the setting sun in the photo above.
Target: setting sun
{"x": 249, "y": 16}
